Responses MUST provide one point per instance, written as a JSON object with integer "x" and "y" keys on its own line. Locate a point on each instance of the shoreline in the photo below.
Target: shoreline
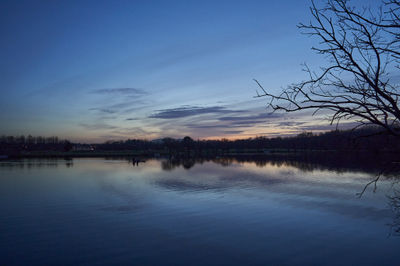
{"x": 194, "y": 154}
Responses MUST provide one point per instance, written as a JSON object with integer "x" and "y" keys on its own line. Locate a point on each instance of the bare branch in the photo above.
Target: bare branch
{"x": 363, "y": 52}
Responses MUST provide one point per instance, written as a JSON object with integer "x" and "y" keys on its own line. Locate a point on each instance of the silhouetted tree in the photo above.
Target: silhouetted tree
{"x": 67, "y": 146}
{"x": 363, "y": 55}
{"x": 187, "y": 143}
{"x": 170, "y": 144}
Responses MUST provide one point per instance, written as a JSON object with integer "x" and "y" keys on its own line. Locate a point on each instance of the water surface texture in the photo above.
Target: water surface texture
{"x": 207, "y": 212}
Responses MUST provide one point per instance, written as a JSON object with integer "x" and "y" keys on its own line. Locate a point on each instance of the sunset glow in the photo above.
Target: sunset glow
{"x": 94, "y": 71}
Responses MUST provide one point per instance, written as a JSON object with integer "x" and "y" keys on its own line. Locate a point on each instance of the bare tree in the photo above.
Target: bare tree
{"x": 362, "y": 48}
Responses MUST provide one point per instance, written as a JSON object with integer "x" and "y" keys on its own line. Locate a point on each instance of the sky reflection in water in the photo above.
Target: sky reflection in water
{"x": 216, "y": 212}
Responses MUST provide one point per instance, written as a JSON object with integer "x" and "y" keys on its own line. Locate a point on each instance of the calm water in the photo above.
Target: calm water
{"x": 99, "y": 211}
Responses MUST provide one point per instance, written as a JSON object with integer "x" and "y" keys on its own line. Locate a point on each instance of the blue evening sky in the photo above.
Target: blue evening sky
{"x": 99, "y": 70}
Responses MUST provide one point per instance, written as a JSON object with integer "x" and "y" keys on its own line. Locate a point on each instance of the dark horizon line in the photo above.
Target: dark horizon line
{"x": 357, "y": 132}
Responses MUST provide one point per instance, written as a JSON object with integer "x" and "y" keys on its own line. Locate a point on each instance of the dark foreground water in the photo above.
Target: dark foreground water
{"x": 98, "y": 211}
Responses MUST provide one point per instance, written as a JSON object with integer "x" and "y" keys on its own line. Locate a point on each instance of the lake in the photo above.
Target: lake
{"x": 222, "y": 211}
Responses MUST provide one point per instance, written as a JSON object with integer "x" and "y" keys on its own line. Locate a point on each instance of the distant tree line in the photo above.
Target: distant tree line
{"x": 14, "y": 144}
{"x": 361, "y": 140}
{"x": 364, "y": 139}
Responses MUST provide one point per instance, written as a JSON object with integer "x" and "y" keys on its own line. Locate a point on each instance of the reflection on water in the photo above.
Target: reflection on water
{"x": 394, "y": 203}
{"x": 238, "y": 210}
{"x": 36, "y": 163}
{"x": 338, "y": 162}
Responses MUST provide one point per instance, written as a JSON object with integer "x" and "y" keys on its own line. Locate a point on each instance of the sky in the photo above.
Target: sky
{"x": 92, "y": 71}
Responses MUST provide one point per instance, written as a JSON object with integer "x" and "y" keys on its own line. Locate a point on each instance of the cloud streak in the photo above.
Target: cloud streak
{"x": 261, "y": 116}
{"x": 187, "y": 111}
{"x": 121, "y": 91}
{"x": 103, "y": 110}
{"x": 97, "y": 126}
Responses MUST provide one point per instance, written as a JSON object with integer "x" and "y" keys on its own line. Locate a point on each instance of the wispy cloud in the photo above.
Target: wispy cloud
{"x": 233, "y": 132}
{"x": 126, "y": 105}
{"x": 132, "y": 132}
{"x": 103, "y": 110}
{"x": 290, "y": 123}
{"x": 200, "y": 126}
{"x": 186, "y": 111}
{"x": 107, "y": 117}
{"x": 97, "y": 126}
{"x": 123, "y": 91}
{"x": 326, "y": 127}
{"x": 260, "y": 116}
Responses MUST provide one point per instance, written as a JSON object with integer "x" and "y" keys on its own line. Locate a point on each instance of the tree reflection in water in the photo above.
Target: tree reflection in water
{"x": 394, "y": 203}
{"x": 305, "y": 162}
{"x": 376, "y": 166}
